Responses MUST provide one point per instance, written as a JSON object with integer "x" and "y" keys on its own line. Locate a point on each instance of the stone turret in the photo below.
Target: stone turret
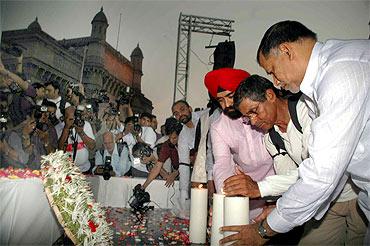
{"x": 99, "y": 25}
{"x": 34, "y": 26}
{"x": 137, "y": 62}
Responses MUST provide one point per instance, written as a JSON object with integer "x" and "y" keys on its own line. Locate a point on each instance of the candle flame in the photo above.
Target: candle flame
{"x": 200, "y": 186}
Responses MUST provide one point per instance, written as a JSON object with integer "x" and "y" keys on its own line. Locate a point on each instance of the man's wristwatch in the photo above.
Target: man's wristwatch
{"x": 262, "y": 231}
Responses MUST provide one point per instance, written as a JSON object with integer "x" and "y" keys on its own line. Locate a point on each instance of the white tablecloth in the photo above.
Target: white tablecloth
{"x": 117, "y": 191}
{"x": 25, "y": 214}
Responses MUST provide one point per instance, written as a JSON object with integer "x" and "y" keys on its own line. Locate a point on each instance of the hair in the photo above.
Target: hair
{"x": 129, "y": 119}
{"x": 37, "y": 85}
{"x": 254, "y": 88}
{"x": 54, "y": 84}
{"x": 141, "y": 149}
{"x": 48, "y": 104}
{"x": 281, "y": 32}
{"x": 172, "y": 125}
{"x": 180, "y": 101}
{"x": 145, "y": 114}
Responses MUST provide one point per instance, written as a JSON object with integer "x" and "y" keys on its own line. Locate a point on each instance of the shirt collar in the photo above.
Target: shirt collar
{"x": 307, "y": 85}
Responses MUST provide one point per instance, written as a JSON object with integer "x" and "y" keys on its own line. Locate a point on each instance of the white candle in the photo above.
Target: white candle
{"x": 198, "y": 215}
{"x": 236, "y": 212}
{"x": 217, "y": 218}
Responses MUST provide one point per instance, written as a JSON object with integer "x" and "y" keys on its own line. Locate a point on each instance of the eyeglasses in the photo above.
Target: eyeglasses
{"x": 255, "y": 111}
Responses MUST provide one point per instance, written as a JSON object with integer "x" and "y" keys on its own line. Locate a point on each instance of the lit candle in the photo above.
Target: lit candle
{"x": 198, "y": 215}
{"x": 217, "y": 218}
{"x": 236, "y": 212}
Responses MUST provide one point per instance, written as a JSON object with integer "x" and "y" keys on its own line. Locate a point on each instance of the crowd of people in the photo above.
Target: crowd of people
{"x": 298, "y": 146}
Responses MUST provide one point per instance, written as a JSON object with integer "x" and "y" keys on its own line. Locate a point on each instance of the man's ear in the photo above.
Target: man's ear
{"x": 270, "y": 95}
{"x": 190, "y": 109}
{"x": 287, "y": 49}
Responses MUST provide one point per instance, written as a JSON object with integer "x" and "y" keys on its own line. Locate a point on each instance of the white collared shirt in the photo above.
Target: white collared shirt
{"x": 296, "y": 151}
{"x": 337, "y": 89}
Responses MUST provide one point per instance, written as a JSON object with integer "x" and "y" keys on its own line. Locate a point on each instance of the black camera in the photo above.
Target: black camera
{"x": 103, "y": 96}
{"x": 125, "y": 96}
{"x": 137, "y": 127}
{"x": 40, "y": 110}
{"x": 14, "y": 88}
{"x": 79, "y": 120}
{"x": 139, "y": 198}
{"x": 3, "y": 125}
{"x": 99, "y": 96}
{"x": 108, "y": 169}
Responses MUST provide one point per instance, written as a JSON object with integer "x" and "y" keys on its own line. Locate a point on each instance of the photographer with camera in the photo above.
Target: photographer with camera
{"x": 6, "y": 151}
{"x": 118, "y": 155}
{"x": 44, "y": 129}
{"x": 21, "y": 95}
{"x": 29, "y": 146}
{"x": 124, "y": 103}
{"x": 167, "y": 150}
{"x": 147, "y": 136}
{"x": 110, "y": 122}
{"x": 76, "y": 137}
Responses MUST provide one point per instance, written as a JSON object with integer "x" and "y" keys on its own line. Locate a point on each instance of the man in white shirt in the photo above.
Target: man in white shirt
{"x": 120, "y": 156}
{"x": 182, "y": 111}
{"x": 287, "y": 120}
{"x": 335, "y": 80}
{"x": 52, "y": 92}
{"x": 77, "y": 140}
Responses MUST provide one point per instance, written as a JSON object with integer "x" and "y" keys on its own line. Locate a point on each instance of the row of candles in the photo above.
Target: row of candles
{"x": 226, "y": 211}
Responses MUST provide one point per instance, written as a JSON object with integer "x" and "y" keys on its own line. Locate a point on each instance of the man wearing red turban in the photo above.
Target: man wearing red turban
{"x": 236, "y": 145}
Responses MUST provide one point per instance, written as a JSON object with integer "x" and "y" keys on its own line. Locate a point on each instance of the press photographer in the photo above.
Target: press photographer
{"x": 21, "y": 95}
{"x": 148, "y": 137}
{"x": 76, "y": 137}
{"x": 167, "y": 150}
{"x": 44, "y": 129}
{"x": 28, "y": 144}
{"x": 6, "y": 151}
{"x": 124, "y": 103}
{"x": 119, "y": 157}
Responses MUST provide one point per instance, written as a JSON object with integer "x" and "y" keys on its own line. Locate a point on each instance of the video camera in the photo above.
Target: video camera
{"x": 125, "y": 96}
{"x": 138, "y": 199}
{"x": 79, "y": 120}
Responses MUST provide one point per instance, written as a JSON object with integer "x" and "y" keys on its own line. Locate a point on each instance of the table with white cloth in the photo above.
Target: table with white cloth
{"x": 117, "y": 191}
{"x": 25, "y": 214}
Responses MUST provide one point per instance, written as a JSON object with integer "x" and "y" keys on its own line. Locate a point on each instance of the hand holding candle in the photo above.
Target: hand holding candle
{"x": 241, "y": 185}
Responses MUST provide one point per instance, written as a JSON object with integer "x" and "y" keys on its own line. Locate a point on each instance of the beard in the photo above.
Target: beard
{"x": 185, "y": 119}
{"x": 232, "y": 113}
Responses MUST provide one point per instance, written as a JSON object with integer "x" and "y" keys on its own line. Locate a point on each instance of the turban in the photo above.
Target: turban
{"x": 224, "y": 78}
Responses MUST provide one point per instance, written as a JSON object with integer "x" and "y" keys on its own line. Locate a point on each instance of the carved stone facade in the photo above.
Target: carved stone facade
{"x": 45, "y": 59}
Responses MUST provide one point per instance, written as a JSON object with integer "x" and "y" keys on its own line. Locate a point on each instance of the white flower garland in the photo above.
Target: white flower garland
{"x": 68, "y": 190}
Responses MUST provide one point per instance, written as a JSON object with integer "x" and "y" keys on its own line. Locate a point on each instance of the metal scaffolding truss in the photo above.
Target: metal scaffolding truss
{"x": 187, "y": 25}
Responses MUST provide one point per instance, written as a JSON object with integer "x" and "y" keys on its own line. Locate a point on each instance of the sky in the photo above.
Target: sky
{"x": 153, "y": 24}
